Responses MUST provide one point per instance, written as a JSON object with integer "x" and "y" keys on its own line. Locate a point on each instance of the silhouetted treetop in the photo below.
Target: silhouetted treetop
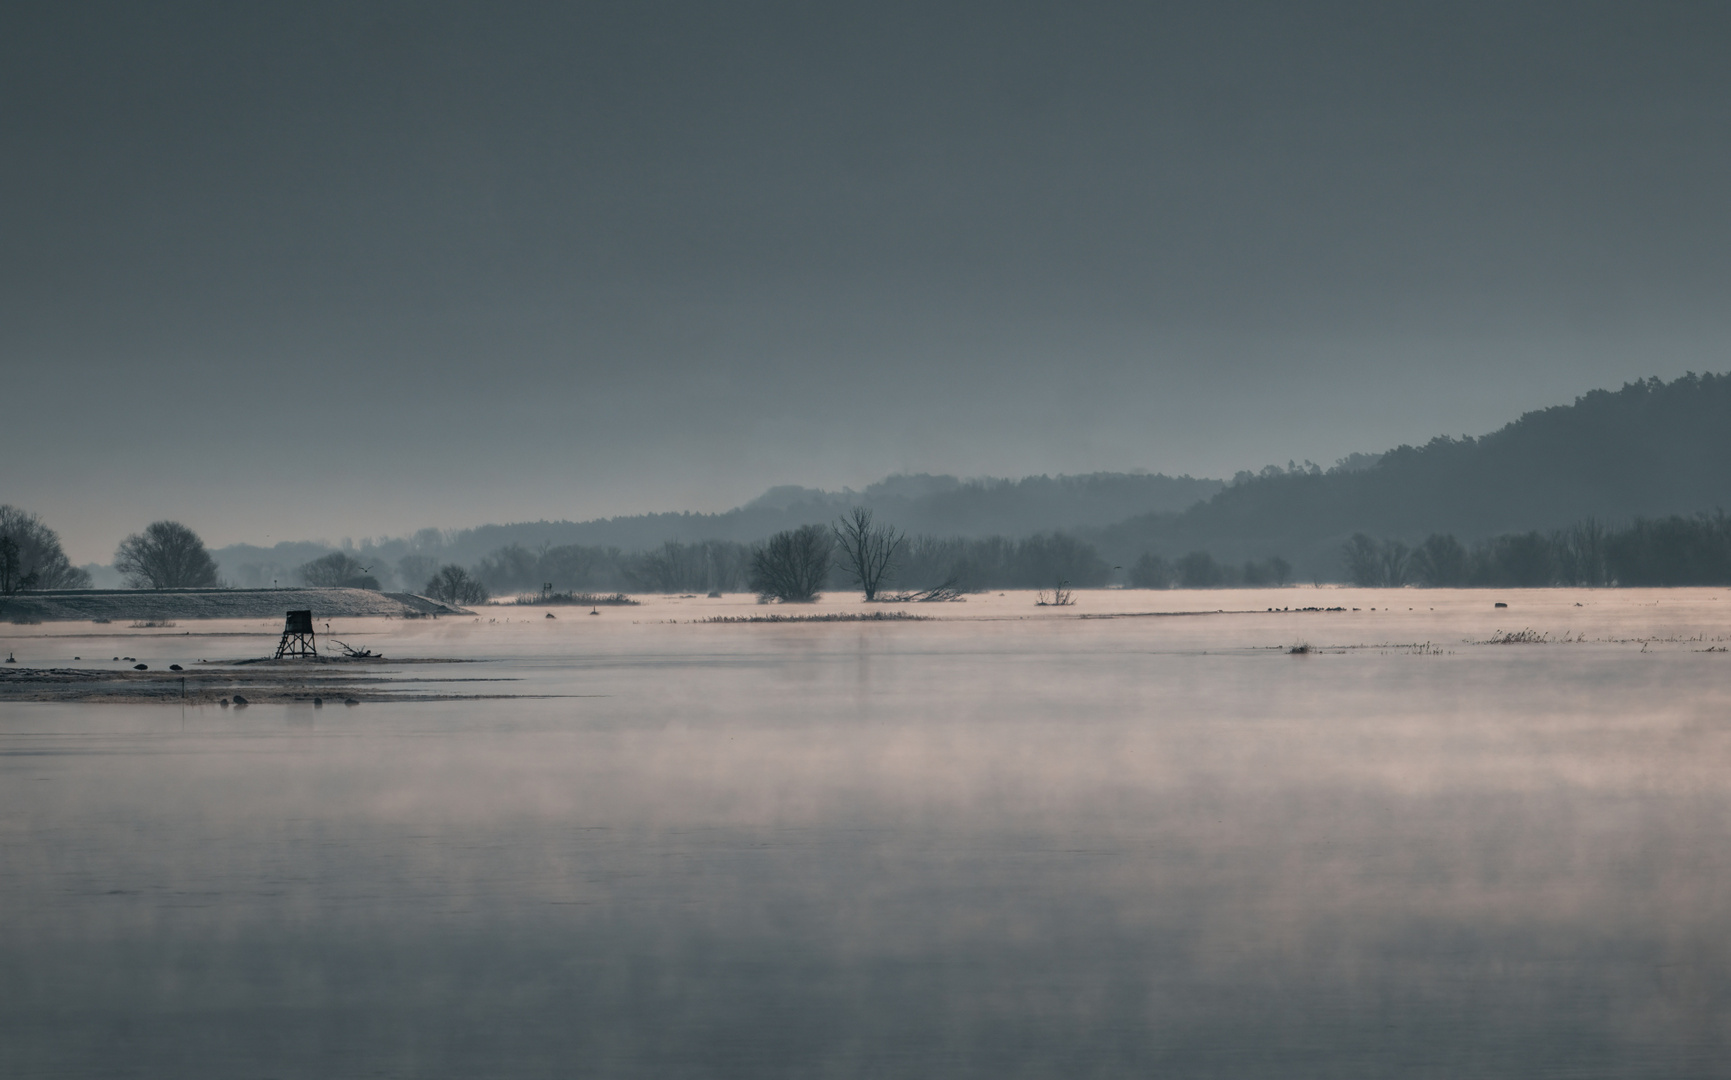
{"x": 166, "y": 555}
{"x": 34, "y": 559}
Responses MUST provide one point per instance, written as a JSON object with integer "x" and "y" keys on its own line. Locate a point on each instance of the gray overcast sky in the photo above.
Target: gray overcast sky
{"x": 307, "y": 270}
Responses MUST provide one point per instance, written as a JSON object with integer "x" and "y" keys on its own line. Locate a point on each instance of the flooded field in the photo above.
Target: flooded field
{"x": 1418, "y": 836}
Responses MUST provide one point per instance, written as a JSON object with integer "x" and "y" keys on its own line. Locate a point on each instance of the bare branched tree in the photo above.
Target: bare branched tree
{"x": 167, "y": 555}
{"x": 337, "y": 570}
{"x": 12, "y": 576}
{"x": 679, "y": 568}
{"x": 40, "y": 563}
{"x": 1152, "y": 572}
{"x": 792, "y": 566}
{"x": 1581, "y": 554}
{"x": 1198, "y": 570}
{"x": 1363, "y": 558}
{"x": 1386, "y": 564}
{"x": 1441, "y": 562}
{"x": 415, "y": 567}
{"x": 453, "y": 585}
{"x": 868, "y": 552}
{"x": 1396, "y": 564}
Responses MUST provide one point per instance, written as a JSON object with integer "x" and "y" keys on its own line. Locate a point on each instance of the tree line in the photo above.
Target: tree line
{"x": 796, "y": 564}
{"x": 1200, "y": 570}
{"x": 853, "y": 552}
{"x": 885, "y": 563}
{"x": 1665, "y": 551}
{"x": 871, "y": 556}
{"x": 1645, "y": 451}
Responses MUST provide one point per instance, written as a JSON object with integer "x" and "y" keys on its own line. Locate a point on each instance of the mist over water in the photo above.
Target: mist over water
{"x": 1009, "y": 841}
{"x": 416, "y": 304}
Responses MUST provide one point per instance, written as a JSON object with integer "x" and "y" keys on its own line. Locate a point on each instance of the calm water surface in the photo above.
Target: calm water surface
{"x": 1010, "y": 842}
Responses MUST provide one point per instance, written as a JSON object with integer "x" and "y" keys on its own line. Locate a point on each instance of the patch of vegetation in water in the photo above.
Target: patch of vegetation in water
{"x": 831, "y": 616}
{"x": 576, "y": 599}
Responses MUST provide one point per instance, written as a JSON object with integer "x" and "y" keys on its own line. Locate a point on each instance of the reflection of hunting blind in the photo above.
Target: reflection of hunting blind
{"x": 297, "y": 636}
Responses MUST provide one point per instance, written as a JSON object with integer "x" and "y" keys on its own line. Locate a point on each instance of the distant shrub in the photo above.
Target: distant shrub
{"x": 793, "y": 565}
{"x": 581, "y": 599}
{"x": 828, "y": 616}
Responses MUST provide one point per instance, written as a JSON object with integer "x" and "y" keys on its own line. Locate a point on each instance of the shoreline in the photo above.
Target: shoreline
{"x": 215, "y": 684}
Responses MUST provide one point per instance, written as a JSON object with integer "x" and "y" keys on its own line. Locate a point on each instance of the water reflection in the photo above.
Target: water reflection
{"x": 993, "y": 849}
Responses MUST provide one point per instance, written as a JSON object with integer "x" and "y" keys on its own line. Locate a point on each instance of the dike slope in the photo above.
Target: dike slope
{"x": 164, "y": 604}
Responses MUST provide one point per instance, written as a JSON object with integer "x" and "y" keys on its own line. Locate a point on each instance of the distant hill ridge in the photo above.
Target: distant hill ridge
{"x": 1649, "y": 449}
{"x": 923, "y": 503}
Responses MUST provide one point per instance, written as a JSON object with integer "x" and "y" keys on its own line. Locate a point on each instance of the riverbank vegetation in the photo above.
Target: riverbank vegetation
{"x": 920, "y": 563}
{"x": 1666, "y": 551}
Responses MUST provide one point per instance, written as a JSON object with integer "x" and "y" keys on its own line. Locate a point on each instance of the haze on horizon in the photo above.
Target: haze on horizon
{"x": 352, "y": 269}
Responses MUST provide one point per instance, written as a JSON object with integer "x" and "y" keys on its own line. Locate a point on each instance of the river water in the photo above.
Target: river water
{"x": 1008, "y": 841}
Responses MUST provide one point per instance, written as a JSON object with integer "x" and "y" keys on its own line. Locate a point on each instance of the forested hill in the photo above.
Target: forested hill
{"x": 939, "y": 505}
{"x": 1649, "y": 449}
{"x": 946, "y": 506}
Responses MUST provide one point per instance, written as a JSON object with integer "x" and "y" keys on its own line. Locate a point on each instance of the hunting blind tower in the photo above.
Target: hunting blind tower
{"x": 297, "y": 636}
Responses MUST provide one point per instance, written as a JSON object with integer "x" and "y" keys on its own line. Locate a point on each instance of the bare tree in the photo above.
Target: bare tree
{"x": 1387, "y": 564}
{"x": 868, "y": 552}
{"x": 338, "y": 570}
{"x": 167, "y": 555}
{"x": 1198, "y": 570}
{"x": 412, "y": 568}
{"x": 792, "y": 566}
{"x": 1058, "y": 597}
{"x": 453, "y": 585}
{"x": 1581, "y": 553}
{"x": 1396, "y": 564}
{"x": 12, "y": 576}
{"x": 1152, "y": 572}
{"x": 41, "y": 564}
{"x": 1363, "y": 558}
